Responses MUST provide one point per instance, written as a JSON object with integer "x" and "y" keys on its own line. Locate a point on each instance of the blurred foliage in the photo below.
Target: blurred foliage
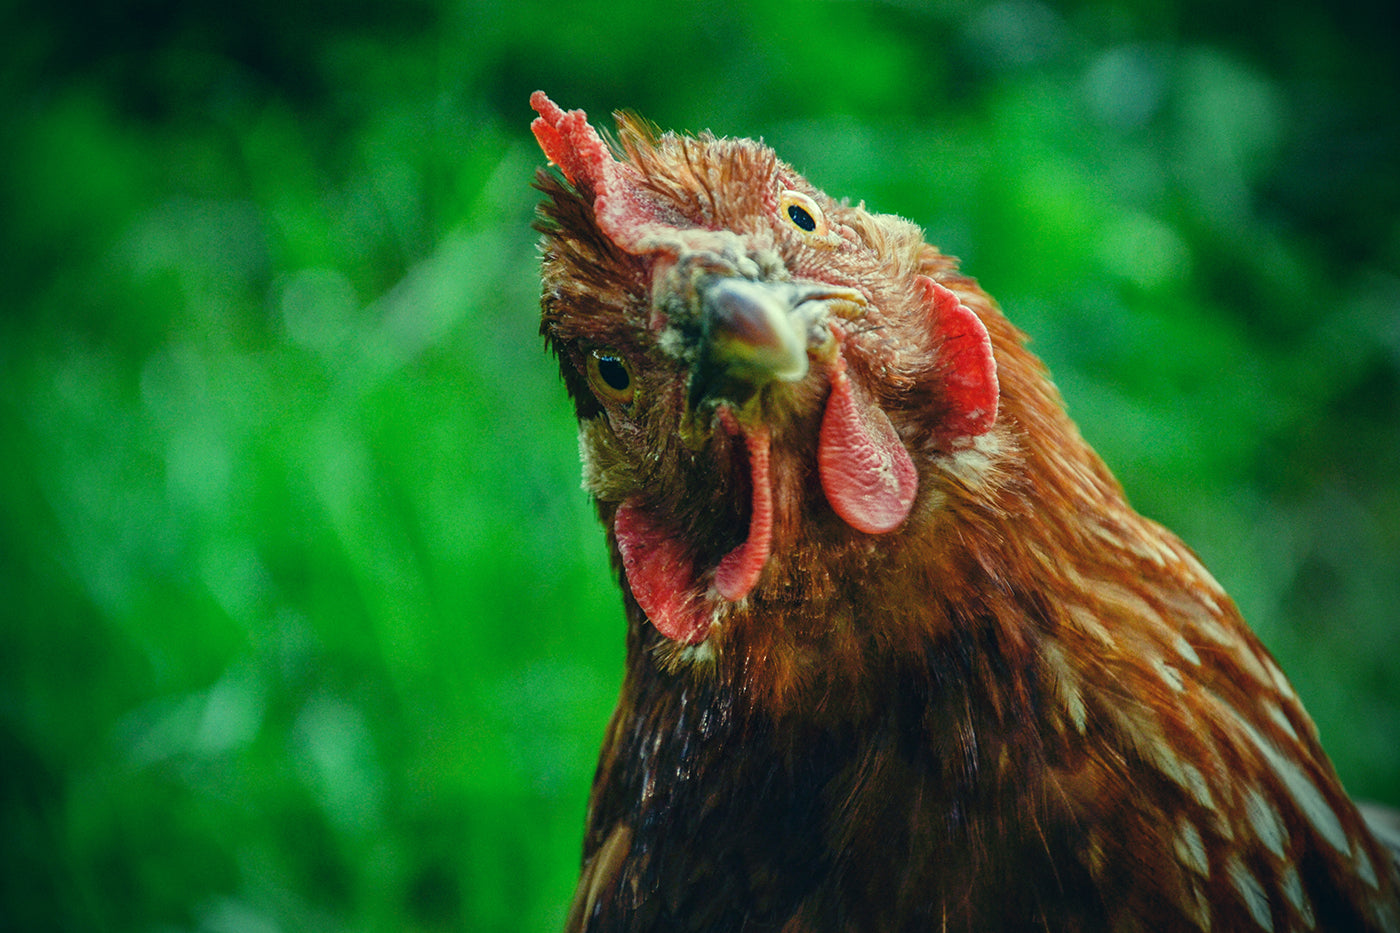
{"x": 308, "y": 625}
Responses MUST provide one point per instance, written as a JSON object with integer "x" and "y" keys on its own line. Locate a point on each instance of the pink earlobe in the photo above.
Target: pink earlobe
{"x": 965, "y": 352}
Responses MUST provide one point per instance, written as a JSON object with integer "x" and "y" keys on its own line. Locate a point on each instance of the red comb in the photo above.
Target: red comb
{"x": 571, "y": 143}
{"x": 625, "y": 212}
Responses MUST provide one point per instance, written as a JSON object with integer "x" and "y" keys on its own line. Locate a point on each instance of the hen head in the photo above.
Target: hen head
{"x": 768, "y": 382}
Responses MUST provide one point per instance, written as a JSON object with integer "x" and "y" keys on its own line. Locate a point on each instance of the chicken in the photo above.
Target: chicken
{"x": 899, "y": 654}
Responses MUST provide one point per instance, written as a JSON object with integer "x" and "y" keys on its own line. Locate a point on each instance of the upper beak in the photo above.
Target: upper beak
{"x": 754, "y": 332}
{"x": 753, "y": 329}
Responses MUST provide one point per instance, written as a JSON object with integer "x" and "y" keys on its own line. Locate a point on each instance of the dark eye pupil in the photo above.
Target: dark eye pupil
{"x": 800, "y": 217}
{"x": 612, "y": 371}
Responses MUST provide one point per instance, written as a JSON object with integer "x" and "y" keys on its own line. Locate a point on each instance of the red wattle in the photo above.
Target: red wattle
{"x": 738, "y": 571}
{"x": 866, "y": 472}
{"x": 660, "y": 574}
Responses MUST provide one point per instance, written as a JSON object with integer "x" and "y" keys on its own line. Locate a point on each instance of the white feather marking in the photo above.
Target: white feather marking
{"x": 1204, "y": 575}
{"x": 1303, "y": 791}
{"x": 1065, "y": 685}
{"x": 1183, "y": 648}
{"x": 1196, "y": 784}
{"x": 703, "y": 653}
{"x": 1224, "y": 826}
{"x": 1112, "y": 534}
{"x": 1170, "y": 675}
{"x": 1251, "y": 892}
{"x": 585, "y": 456}
{"x": 1266, "y": 822}
{"x": 1090, "y": 624}
{"x": 975, "y": 464}
{"x": 1168, "y": 555}
{"x": 1242, "y": 651}
{"x": 671, "y": 342}
{"x": 1277, "y": 715}
{"x": 1095, "y": 855}
{"x": 1121, "y": 601}
{"x": 1147, "y": 546}
{"x": 1365, "y": 869}
{"x": 1252, "y": 661}
{"x": 1292, "y": 887}
{"x": 1210, "y": 628}
{"x": 1201, "y": 908}
{"x": 1190, "y": 849}
{"x": 1144, "y": 735}
{"x": 1185, "y": 604}
{"x": 1285, "y": 689}
{"x": 1169, "y": 764}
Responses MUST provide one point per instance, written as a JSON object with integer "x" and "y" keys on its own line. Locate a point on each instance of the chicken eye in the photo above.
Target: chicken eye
{"x": 610, "y": 376}
{"x": 802, "y": 212}
{"x": 798, "y": 215}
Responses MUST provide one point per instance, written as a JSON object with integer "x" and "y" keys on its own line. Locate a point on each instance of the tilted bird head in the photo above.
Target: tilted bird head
{"x": 759, "y": 371}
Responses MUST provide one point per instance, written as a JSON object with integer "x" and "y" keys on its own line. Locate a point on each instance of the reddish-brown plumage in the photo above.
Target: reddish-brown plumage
{"x": 986, "y": 695}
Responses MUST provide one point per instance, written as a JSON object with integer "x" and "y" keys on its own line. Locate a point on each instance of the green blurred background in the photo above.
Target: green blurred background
{"x": 307, "y": 623}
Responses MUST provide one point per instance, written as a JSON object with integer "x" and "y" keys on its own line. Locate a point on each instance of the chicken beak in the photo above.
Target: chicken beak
{"x": 756, "y": 333}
